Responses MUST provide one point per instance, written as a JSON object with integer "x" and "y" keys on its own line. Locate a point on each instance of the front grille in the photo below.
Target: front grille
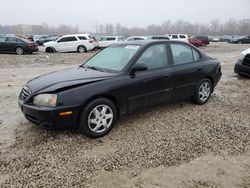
{"x": 25, "y": 94}
{"x": 246, "y": 60}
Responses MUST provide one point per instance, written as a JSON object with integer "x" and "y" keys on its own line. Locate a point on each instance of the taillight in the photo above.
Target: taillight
{"x": 30, "y": 44}
{"x": 91, "y": 41}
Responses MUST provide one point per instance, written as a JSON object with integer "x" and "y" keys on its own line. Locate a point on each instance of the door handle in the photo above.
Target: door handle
{"x": 167, "y": 75}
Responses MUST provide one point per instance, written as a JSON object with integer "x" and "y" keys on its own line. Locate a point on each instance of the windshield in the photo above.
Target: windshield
{"x": 113, "y": 58}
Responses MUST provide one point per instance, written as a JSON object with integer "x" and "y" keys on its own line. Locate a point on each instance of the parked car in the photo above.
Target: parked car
{"x": 229, "y": 38}
{"x": 241, "y": 40}
{"x": 70, "y": 43}
{"x": 159, "y": 37}
{"x": 204, "y": 39}
{"x": 135, "y": 38}
{"x": 40, "y": 40}
{"x": 242, "y": 66}
{"x": 119, "y": 80}
{"x": 195, "y": 42}
{"x": 12, "y": 44}
{"x": 106, "y": 41}
{"x": 181, "y": 37}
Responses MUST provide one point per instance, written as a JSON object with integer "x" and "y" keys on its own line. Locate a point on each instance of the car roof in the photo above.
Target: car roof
{"x": 73, "y": 35}
{"x": 146, "y": 42}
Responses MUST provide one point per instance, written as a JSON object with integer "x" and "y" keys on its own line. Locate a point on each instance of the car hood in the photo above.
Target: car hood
{"x": 64, "y": 79}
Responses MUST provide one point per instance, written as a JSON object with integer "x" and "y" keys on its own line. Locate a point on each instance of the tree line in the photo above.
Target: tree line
{"x": 214, "y": 27}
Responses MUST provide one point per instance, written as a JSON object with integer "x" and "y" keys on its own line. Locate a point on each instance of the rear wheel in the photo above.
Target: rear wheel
{"x": 19, "y": 51}
{"x": 98, "y": 118}
{"x": 203, "y": 91}
{"x": 81, "y": 49}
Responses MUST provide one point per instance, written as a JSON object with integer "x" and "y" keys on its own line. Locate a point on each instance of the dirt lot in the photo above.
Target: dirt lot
{"x": 177, "y": 145}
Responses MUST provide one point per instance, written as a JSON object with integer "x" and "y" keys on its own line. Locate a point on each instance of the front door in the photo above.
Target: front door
{"x": 153, "y": 86}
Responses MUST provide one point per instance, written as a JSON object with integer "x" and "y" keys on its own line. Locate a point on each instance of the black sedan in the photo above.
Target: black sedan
{"x": 242, "y": 40}
{"x": 12, "y": 44}
{"x": 242, "y": 66}
{"x": 119, "y": 80}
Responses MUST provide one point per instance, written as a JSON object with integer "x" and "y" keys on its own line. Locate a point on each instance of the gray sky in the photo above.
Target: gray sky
{"x": 129, "y": 13}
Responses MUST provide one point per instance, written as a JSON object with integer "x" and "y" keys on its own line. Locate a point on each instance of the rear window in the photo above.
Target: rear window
{"x": 111, "y": 38}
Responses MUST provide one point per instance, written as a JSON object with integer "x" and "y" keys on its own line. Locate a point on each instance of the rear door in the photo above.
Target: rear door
{"x": 153, "y": 86}
{"x": 187, "y": 69}
{"x": 2, "y": 43}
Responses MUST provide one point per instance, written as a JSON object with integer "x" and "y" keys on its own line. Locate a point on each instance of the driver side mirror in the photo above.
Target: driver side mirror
{"x": 138, "y": 67}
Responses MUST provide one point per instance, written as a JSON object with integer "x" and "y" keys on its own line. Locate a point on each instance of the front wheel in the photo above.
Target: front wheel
{"x": 98, "y": 118}
{"x": 203, "y": 91}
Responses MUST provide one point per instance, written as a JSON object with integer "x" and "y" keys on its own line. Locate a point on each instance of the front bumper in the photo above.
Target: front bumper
{"x": 49, "y": 116}
{"x": 242, "y": 69}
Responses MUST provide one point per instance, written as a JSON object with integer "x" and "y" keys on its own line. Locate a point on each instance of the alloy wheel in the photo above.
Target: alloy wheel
{"x": 100, "y": 118}
{"x": 204, "y": 91}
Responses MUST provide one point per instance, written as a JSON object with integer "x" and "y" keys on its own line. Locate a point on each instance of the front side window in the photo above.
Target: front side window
{"x": 2, "y": 39}
{"x": 181, "y": 53}
{"x": 11, "y": 39}
{"x": 154, "y": 57}
{"x": 113, "y": 59}
{"x": 103, "y": 39}
{"x": 67, "y": 39}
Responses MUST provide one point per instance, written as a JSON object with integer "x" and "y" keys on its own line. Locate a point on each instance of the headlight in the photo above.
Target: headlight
{"x": 45, "y": 100}
{"x": 242, "y": 56}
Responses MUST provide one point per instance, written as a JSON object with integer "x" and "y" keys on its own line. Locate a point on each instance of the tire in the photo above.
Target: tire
{"x": 203, "y": 91}
{"x": 50, "y": 50}
{"x": 98, "y": 118}
{"x": 19, "y": 51}
{"x": 81, "y": 49}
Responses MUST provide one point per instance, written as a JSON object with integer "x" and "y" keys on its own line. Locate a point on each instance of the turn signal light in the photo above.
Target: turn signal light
{"x": 65, "y": 113}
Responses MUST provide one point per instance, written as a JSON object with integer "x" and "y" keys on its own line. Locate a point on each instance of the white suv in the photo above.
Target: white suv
{"x": 182, "y": 37}
{"x": 106, "y": 41}
{"x": 71, "y": 43}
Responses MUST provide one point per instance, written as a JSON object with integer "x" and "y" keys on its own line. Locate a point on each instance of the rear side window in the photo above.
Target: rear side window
{"x": 182, "y": 53}
{"x": 196, "y": 55}
{"x": 174, "y": 37}
{"x": 182, "y": 36}
{"x": 82, "y": 38}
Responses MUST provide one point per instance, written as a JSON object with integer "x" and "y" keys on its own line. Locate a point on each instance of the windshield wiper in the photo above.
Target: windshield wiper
{"x": 95, "y": 68}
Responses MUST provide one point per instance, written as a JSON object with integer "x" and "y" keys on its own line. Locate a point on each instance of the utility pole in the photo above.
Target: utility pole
{"x": 96, "y": 27}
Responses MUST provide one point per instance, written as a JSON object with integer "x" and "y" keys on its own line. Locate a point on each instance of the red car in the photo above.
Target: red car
{"x": 195, "y": 42}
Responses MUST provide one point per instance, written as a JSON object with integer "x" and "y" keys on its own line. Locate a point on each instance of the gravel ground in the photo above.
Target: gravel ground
{"x": 175, "y": 145}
